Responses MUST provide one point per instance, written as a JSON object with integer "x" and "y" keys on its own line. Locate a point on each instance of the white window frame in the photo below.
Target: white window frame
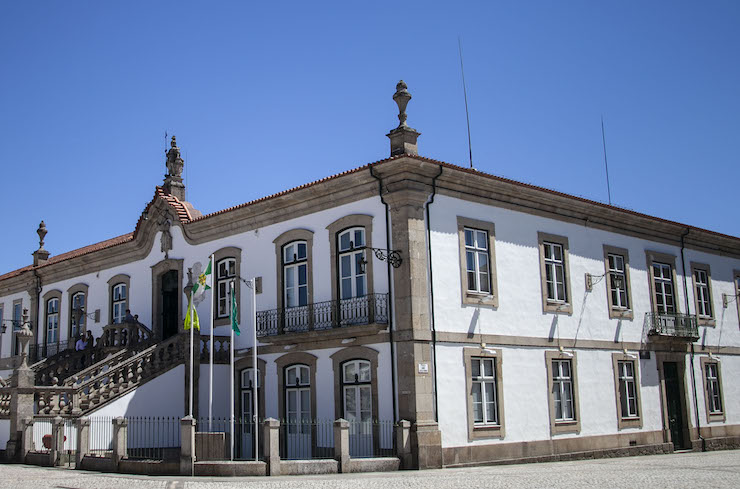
{"x": 703, "y": 299}
{"x": 52, "y": 321}
{"x": 552, "y": 265}
{"x": 355, "y": 252}
{"x": 292, "y": 267}
{"x": 119, "y": 300}
{"x": 615, "y": 273}
{"x": 223, "y": 285}
{"x": 485, "y": 384}
{"x": 562, "y": 390}
{"x": 475, "y": 249}
{"x": 628, "y": 405}
{"x": 356, "y": 387}
{"x": 660, "y": 286}
{"x": 714, "y": 390}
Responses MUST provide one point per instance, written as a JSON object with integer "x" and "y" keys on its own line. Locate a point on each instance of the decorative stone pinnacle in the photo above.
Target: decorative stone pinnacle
{"x": 173, "y": 143}
{"x": 173, "y": 184}
{"x": 401, "y": 97}
{"x": 41, "y": 231}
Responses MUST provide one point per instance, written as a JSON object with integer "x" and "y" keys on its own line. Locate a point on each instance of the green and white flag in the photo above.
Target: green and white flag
{"x": 234, "y": 315}
{"x": 204, "y": 282}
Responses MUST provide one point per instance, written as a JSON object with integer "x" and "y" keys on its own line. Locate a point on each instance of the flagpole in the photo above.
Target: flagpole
{"x": 231, "y": 362}
{"x": 192, "y": 327}
{"x": 255, "y": 391}
{"x": 210, "y": 348}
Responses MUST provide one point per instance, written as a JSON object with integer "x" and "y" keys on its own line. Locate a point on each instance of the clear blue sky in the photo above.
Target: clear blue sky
{"x": 264, "y": 96}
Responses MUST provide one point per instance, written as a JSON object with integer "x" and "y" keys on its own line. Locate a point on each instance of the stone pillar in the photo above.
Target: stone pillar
{"x": 407, "y": 183}
{"x": 271, "y": 443}
{"x": 26, "y": 439}
{"x": 83, "y": 440}
{"x": 57, "y": 441}
{"x": 403, "y": 443}
{"x": 187, "y": 445}
{"x": 341, "y": 444}
{"x": 22, "y": 396}
{"x": 120, "y": 440}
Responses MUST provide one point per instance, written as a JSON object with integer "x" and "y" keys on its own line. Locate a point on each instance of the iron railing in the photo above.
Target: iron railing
{"x": 39, "y": 352}
{"x": 306, "y": 439}
{"x": 243, "y": 437}
{"x": 675, "y": 325}
{"x": 372, "y": 438}
{"x": 100, "y": 436}
{"x": 153, "y": 437}
{"x": 367, "y": 309}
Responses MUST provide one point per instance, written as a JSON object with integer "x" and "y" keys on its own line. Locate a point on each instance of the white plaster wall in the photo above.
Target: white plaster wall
{"x": 518, "y": 275}
{"x": 526, "y": 395}
{"x": 221, "y": 391}
{"x": 162, "y": 396}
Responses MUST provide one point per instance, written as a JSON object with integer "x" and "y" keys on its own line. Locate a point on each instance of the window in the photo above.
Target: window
{"x": 554, "y": 271}
{"x": 627, "y": 387}
{"x": 662, "y": 282}
{"x": 118, "y": 304}
{"x": 225, "y": 273}
{"x": 52, "y": 321}
{"x": 352, "y": 276}
{"x": 484, "y": 392}
{"x": 702, "y": 294}
{"x": 17, "y": 320}
{"x": 616, "y": 262}
{"x": 561, "y": 373}
{"x": 477, "y": 261}
{"x": 249, "y": 387}
{"x": 227, "y": 262}
{"x": 295, "y": 274}
{"x": 77, "y": 327}
{"x": 356, "y": 391}
{"x": 714, "y": 401}
{"x": 119, "y": 289}
{"x": 298, "y": 412}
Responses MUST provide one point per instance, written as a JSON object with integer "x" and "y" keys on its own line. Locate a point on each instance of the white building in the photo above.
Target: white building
{"x": 520, "y": 322}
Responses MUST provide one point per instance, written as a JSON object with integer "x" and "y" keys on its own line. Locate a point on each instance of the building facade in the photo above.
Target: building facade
{"x": 503, "y": 320}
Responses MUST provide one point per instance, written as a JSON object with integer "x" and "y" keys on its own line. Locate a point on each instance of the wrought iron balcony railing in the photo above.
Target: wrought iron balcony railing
{"x": 368, "y": 309}
{"x": 672, "y": 324}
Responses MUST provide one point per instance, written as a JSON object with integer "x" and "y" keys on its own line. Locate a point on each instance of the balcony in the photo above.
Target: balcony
{"x": 320, "y": 316}
{"x": 672, "y": 325}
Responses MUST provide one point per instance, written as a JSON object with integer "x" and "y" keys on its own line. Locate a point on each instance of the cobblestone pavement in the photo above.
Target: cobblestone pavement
{"x": 690, "y": 470}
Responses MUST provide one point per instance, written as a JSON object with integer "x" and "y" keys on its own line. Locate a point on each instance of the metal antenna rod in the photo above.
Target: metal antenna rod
{"x": 465, "y": 94}
{"x": 606, "y": 164}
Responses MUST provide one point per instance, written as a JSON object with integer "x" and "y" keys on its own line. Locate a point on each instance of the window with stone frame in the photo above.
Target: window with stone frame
{"x": 702, "y": 281}
{"x": 484, "y": 393}
{"x": 665, "y": 300}
{"x": 225, "y": 279}
{"x": 477, "y": 262}
{"x": 77, "y": 326}
{"x": 618, "y": 285}
{"x": 351, "y": 256}
{"x": 119, "y": 302}
{"x": 714, "y": 393}
{"x": 562, "y": 381}
{"x": 485, "y": 402}
{"x": 554, "y": 273}
{"x": 295, "y": 274}
{"x": 627, "y": 389}
{"x": 52, "y": 321}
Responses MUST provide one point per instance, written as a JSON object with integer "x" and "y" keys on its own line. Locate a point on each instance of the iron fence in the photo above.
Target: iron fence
{"x": 39, "y": 352}
{"x": 367, "y": 309}
{"x": 306, "y": 439}
{"x": 153, "y": 438}
{"x": 42, "y": 435}
{"x": 372, "y": 438}
{"x": 101, "y": 436}
{"x": 672, "y": 324}
{"x": 244, "y": 429}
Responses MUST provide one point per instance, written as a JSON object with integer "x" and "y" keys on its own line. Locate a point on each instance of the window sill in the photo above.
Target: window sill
{"x": 480, "y": 432}
{"x": 618, "y": 313}
{"x": 706, "y": 321}
{"x": 718, "y": 417}
{"x": 559, "y": 427}
{"x": 558, "y": 307}
{"x": 623, "y": 423}
{"x": 479, "y": 299}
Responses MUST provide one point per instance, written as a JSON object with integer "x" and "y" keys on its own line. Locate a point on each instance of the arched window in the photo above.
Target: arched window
{"x": 118, "y": 303}
{"x": 295, "y": 274}
{"x": 351, "y": 256}
{"x": 225, "y": 274}
{"x": 298, "y": 411}
{"x": 356, "y": 391}
{"x": 52, "y": 321}
{"x": 77, "y": 326}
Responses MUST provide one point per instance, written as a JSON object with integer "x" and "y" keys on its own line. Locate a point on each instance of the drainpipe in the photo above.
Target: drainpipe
{"x": 390, "y": 299}
{"x": 431, "y": 292}
{"x": 691, "y": 356}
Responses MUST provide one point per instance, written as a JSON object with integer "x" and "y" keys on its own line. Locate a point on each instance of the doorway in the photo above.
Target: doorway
{"x": 170, "y": 312}
{"x": 674, "y": 393}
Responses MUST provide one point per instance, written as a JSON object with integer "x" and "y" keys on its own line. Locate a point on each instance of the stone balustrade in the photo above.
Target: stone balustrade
{"x": 221, "y": 353}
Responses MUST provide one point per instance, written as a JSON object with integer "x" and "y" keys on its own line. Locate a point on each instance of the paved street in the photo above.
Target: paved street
{"x": 690, "y": 470}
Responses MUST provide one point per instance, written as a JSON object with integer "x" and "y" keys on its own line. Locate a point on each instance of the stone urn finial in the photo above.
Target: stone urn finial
{"x": 402, "y": 97}
{"x": 41, "y": 231}
{"x": 24, "y": 335}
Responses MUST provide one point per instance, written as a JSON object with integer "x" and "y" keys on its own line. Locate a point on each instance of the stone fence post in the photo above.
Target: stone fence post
{"x": 272, "y": 446}
{"x": 57, "y": 441}
{"x": 341, "y": 444}
{"x": 26, "y": 438}
{"x": 403, "y": 443}
{"x": 187, "y": 445}
{"x": 83, "y": 441}
{"x": 120, "y": 440}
